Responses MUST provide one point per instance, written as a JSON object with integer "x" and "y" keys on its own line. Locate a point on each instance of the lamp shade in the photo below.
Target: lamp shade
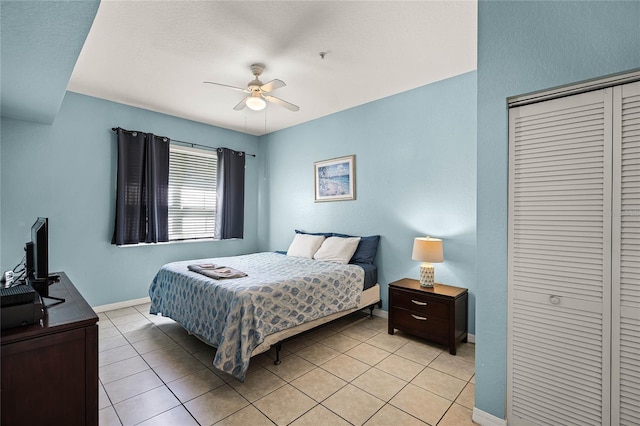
{"x": 427, "y": 249}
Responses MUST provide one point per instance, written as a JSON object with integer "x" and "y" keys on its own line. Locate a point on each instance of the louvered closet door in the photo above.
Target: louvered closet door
{"x": 626, "y": 256}
{"x": 559, "y": 261}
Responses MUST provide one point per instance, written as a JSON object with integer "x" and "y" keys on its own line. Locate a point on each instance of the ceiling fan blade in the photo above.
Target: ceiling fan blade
{"x": 226, "y": 85}
{"x": 280, "y": 102}
{"x": 241, "y": 104}
{"x": 272, "y": 85}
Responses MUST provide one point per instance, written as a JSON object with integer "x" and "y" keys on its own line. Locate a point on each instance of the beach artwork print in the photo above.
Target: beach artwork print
{"x": 335, "y": 179}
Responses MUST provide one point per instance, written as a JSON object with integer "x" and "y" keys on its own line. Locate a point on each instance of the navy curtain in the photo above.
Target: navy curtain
{"x": 142, "y": 189}
{"x": 230, "y": 193}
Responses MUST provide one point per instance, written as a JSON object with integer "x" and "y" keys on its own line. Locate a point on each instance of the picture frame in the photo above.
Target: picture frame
{"x": 335, "y": 179}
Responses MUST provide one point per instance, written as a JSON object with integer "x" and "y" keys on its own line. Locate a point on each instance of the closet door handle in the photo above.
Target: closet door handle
{"x": 419, "y": 318}
{"x": 417, "y": 302}
{"x": 555, "y": 300}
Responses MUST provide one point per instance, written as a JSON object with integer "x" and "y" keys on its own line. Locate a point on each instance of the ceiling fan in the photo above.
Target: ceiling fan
{"x": 259, "y": 92}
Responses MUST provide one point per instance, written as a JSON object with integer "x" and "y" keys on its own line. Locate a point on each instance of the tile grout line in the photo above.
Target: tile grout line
{"x": 154, "y": 372}
{"x": 316, "y": 340}
{"x": 224, "y": 383}
{"x": 165, "y": 384}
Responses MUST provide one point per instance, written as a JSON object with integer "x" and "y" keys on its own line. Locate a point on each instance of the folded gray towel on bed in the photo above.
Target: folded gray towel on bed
{"x": 217, "y": 272}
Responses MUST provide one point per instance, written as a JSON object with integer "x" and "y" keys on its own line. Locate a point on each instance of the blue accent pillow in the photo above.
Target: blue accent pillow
{"x": 367, "y": 248}
{"x": 325, "y": 234}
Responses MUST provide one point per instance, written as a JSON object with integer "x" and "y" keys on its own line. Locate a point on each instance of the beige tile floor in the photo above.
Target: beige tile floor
{"x": 349, "y": 372}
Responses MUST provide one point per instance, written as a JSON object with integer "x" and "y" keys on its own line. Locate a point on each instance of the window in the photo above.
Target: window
{"x": 192, "y": 193}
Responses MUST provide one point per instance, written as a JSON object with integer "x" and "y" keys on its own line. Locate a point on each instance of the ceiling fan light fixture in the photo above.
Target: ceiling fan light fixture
{"x": 256, "y": 103}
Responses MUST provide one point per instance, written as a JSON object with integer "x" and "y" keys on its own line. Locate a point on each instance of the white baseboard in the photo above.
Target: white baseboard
{"x": 471, "y": 338}
{"x": 120, "y": 305}
{"x": 378, "y": 312}
{"x": 485, "y": 419}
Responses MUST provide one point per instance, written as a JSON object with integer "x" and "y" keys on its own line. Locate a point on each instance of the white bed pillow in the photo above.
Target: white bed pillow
{"x": 305, "y": 245}
{"x": 337, "y": 249}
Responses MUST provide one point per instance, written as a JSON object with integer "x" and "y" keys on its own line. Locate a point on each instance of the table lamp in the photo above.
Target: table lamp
{"x": 427, "y": 250}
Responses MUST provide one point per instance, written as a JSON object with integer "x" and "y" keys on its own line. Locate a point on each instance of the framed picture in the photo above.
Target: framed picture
{"x": 335, "y": 179}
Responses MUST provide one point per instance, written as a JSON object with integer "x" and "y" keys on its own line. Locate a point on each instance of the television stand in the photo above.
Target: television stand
{"x": 49, "y": 371}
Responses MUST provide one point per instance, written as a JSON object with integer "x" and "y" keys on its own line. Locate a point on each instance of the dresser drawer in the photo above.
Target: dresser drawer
{"x": 420, "y": 304}
{"x": 427, "y": 326}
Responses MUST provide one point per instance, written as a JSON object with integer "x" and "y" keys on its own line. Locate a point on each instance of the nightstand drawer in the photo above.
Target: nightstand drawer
{"x": 420, "y": 303}
{"x": 421, "y": 325}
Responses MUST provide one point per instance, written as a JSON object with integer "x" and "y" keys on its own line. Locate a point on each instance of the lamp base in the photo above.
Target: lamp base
{"x": 427, "y": 275}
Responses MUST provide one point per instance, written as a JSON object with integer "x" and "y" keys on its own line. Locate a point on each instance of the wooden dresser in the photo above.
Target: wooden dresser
{"x": 437, "y": 313}
{"x": 50, "y": 371}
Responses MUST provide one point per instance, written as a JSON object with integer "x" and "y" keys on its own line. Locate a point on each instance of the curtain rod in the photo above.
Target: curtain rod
{"x": 191, "y": 144}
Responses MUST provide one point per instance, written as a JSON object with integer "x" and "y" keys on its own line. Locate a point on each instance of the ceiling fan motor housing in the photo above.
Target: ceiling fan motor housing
{"x": 256, "y": 70}
{"x": 254, "y": 85}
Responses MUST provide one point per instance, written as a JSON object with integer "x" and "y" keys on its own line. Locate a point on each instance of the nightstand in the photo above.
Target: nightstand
{"x": 437, "y": 313}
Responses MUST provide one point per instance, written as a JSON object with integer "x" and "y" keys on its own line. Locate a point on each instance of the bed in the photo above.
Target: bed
{"x": 280, "y": 296}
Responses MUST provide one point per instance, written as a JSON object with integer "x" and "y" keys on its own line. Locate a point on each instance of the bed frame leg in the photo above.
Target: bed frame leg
{"x": 278, "y": 348}
{"x": 379, "y": 304}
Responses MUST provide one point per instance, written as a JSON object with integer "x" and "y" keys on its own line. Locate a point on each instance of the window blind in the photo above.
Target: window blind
{"x": 192, "y": 193}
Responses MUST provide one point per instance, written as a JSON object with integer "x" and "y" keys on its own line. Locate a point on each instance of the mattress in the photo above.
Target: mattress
{"x": 236, "y": 315}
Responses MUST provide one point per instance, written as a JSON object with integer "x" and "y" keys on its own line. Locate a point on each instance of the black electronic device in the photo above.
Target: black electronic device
{"x": 28, "y": 264}
{"x": 37, "y": 263}
{"x": 22, "y": 314}
{"x": 16, "y": 295}
{"x": 40, "y": 254}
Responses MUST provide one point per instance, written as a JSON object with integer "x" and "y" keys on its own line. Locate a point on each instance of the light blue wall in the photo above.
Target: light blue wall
{"x": 40, "y": 43}
{"x": 66, "y": 172}
{"x": 415, "y": 175}
{"x": 524, "y": 47}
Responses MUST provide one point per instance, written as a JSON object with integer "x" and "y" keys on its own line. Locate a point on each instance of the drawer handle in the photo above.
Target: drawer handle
{"x": 419, "y": 318}
{"x": 555, "y": 300}
{"x": 417, "y": 302}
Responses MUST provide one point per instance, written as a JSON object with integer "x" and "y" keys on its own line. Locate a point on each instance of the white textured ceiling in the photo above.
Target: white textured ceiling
{"x": 156, "y": 55}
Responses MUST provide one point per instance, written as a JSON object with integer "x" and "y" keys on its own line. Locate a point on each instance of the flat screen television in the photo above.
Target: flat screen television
{"x": 40, "y": 250}
{"x": 38, "y": 259}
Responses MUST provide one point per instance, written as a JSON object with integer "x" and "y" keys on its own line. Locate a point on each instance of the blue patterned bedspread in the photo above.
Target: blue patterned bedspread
{"x": 235, "y": 315}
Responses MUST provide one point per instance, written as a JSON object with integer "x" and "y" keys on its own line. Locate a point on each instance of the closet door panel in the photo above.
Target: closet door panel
{"x": 626, "y": 255}
{"x": 559, "y": 261}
